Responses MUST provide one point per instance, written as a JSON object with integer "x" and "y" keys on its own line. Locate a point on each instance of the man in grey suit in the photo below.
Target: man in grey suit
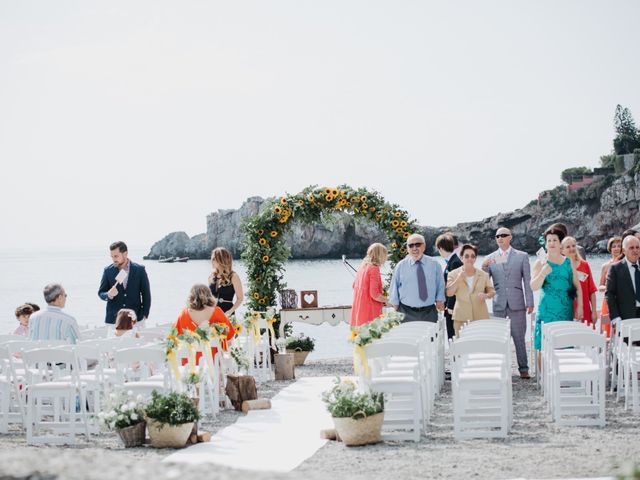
{"x": 509, "y": 268}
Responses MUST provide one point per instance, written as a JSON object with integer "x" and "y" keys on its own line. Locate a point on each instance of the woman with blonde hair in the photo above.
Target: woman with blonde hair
{"x": 587, "y": 285}
{"x": 202, "y": 308}
{"x": 368, "y": 296}
{"x": 224, "y": 283}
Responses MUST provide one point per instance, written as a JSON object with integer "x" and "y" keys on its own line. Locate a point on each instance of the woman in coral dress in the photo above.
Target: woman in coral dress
{"x": 587, "y": 285}
{"x": 201, "y": 309}
{"x": 368, "y": 296}
{"x": 614, "y": 247}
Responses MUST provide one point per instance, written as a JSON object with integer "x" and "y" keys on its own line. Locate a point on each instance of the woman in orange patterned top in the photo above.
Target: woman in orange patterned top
{"x": 202, "y": 308}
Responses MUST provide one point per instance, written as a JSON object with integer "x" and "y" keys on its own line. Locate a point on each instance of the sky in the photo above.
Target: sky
{"x": 129, "y": 120}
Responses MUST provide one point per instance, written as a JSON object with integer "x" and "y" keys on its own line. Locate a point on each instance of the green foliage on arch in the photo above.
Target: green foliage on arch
{"x": 264, "y": 250}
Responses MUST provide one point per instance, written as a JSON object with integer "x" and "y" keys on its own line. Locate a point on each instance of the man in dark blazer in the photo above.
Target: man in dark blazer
{"x": 445, "y": 244}
{"x": 124, "y": 284}
{"x": 623, "y": 282}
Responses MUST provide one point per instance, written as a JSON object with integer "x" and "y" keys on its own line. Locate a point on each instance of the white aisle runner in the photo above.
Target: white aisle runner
{"x": 276, "y": 440}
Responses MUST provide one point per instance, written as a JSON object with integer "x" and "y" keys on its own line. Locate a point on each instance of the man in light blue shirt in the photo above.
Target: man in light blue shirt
{"x": 417, "y": 285}
{"x": 52, "y": 323}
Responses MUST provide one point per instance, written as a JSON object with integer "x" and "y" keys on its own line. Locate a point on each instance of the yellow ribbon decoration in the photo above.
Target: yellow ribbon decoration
{"x": 208, "y": 358}
{"x": 192, "y": 357}
{"x": 255, "y": 331}
{"x": 173, "y": 364}
{"x": 360, "y": 359}
{"x": 272, "y": 332}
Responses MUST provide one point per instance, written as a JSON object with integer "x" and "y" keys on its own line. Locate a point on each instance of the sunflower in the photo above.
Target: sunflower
{"x": 256, "y": 295}
{"x": 405, "y": 235}
{"x": 354, "y": 335}
{"x": 334, "y": 192}
{"x": 274, "y": 233}
{"x": 399, "y": 230}
{"x": 283, "y": 200}
{"x": 394, "y": 245}
{"x": 284, "y": 219}
{"x": 365, "y": 206}
{"x": 372, "y": 209}
{"x": 327, "y": 191}
{"x": 363, "y": 198}
{"x": 329, "y": 198}
{"x": 312, "y": 199}
{"x": 261, "y": 301}
{"x": 403, "y": 224}
{"x": 260, "y": 231}
{"x": 265, "y": 258}
{"x": 277, "y": 209}
{"x": 398, "y": 214}
{"x": 258, "y": 279}
{"x": 262, "y": 241}
{"x": 300, "y": 203}
{"x": 378, "y": 216}
{"x": 238, "y": 328}
{"x": 395, "y": 223}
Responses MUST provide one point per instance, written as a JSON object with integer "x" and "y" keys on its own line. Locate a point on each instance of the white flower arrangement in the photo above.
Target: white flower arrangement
{"x": 123, "y": 410}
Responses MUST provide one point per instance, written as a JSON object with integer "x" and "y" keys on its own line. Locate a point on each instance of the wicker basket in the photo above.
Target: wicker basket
{"x": 163, "y": 435}
{"x": 133, "y": 436}
{"x": 359, "y": 432}
{"x": 298, "y": 356}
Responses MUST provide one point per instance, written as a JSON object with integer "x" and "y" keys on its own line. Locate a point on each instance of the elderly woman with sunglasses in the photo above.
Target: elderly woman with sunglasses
{"x": 472, "y": 288}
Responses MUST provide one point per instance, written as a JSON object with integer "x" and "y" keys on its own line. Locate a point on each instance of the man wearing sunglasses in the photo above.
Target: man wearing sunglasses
{"x": 417, "y": 285}
{"x": 511, "y": 273}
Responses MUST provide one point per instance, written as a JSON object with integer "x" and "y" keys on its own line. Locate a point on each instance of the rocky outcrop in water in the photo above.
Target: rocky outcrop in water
{"x": 592, "y": 215}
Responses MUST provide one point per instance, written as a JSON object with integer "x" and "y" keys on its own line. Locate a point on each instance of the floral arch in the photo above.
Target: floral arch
{"x": 265, "y": 252}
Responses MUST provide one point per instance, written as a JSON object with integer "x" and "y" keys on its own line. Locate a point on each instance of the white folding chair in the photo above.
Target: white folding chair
{"x": 482, "y": 402}
{"x": 403, "y": 404}
{"x": 577, "y": 388}
{"x": 137, "y": 370}
{"x": 53, "y": 404}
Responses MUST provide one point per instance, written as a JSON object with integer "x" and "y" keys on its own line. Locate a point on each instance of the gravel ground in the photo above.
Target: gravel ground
{"x": 535, "y": 448}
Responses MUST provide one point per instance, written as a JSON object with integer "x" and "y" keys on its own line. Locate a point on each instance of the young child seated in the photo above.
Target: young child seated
{"x": 23, "y": 312}
{"x": 125, "y": 321}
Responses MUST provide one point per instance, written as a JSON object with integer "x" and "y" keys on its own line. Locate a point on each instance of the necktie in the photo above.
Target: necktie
{"x": 637, "y": 279}
{"x": 422, "y": 282}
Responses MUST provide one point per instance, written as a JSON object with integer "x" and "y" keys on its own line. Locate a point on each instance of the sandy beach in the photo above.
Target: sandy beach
{"x": 536, "y": 448}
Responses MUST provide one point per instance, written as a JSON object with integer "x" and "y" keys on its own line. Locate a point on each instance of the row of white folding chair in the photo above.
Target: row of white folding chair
{"x": 55, "y": 396}
{"x": 482, "y": 400}
{"x": 258, "y": 351}
{"x": 423, "y": 366}
{"x": 548, "y": 353}
{"x": 211, "y": 383}
{"x": 431, "y": 333}
{"x": 402, "y": 388}
{"x": 10, "y": 337}
{"x": 618, "y": 352}
{"x": 577, "y": 383}
{"x": 628, "y": 360}
{"x": 491, "y": 330}
{"x": 10, "y": 394}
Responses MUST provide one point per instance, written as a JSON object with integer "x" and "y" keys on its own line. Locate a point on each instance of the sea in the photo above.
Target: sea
{"x": 26, "y": 271}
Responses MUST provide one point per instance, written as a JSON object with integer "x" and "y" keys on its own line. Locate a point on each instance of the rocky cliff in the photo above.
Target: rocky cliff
{"x": 592, "y": 214}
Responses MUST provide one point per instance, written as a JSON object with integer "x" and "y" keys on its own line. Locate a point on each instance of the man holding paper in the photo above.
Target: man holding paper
{"x": 124, "y": 284}
{"x": 510, "y": 271}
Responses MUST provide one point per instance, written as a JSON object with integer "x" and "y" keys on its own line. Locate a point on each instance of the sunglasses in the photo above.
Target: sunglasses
{"x": 414, "y": 245}
{"x": 503, "y": 235}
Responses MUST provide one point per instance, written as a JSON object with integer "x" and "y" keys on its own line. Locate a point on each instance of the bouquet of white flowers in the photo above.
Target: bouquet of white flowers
{"x": 123, "y": 410}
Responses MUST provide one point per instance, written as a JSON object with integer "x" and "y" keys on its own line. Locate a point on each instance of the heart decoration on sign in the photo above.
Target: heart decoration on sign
{"x": 309, "y": 298}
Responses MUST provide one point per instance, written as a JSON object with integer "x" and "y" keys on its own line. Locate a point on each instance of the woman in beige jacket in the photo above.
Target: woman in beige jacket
{"x": 472, "y": 288}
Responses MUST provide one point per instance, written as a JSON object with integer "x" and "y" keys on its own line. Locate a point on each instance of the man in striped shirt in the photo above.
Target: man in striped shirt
{"x": 52, "y": 323}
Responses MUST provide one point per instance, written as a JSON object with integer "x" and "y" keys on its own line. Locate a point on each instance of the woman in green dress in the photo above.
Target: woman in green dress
{"x": 560, "y": 285}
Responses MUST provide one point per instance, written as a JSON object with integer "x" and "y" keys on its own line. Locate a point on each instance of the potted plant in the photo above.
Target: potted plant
{"x": 357, "y": 416}
{"x": 170, "y": 418}
{"x": 300, "y": 346}
{"x": 125, "y": 414}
